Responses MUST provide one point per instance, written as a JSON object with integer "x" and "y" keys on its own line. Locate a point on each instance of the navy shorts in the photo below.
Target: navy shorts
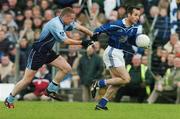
{"x": 37, "y": 59}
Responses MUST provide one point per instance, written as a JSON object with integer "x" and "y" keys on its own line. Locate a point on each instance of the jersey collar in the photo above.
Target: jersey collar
{"x": 124, "y": 22}
{"x": 62, "y": 21}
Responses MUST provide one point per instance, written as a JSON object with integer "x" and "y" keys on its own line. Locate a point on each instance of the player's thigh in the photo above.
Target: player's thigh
{"x": 61, "y": 63}
{"x": 113, "y": 57}
{"x": 120, "y": 72}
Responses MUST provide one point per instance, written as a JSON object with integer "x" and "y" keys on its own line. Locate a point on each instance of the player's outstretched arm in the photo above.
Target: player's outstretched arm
{"x": 84, "y": 43}
{"x": 84, "y": 29}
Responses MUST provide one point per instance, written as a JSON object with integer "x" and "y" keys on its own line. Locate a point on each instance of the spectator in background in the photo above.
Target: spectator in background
{"x": 159, "y": 62}
{"x": 37, "y": 23}
{"x": 5, "y": 8}
{"x": 73, "y": 57}
{"x": 153, "y": 13}
{"x": 165, "y": 82}
{"x": 147, "y": 74}
{"x": 78, "y": 36}
{"x": 48, "y": 15}
{"x": 44, "y": 5}
{"x": 52, "y": 5}
{"x": 80, "y": 16}
{"x": 77, "y": 9}
{"x": 57, "y": 12}
{"x": 94, "y": 16}
{"x": 29, "y": 4}
{"x": 143, "y": 19}
{"x": 177, "y": 70}
{"x": 169, "y": 46}
{"x": 9, "y": 20}
{"x": 4, "y": 43}
{"x": 12, "y": 34}
{"x": 28, "y": 14}
{"x": 121, "y": 12}
{"x": 28, "y": 31}
{"x": 90, "y": 68}
{"x": 40, "y": 83}
{"x": 99, "y": 50}
{"x": 7, "y": 70}
{"x": 22, "y": 58}
{"x": 177, "y": 78}
{"x": 19, "y": 19}
{"x": 113, "y": 16}
{"x": 163, "y": 27}
{"x": 36, "y": 10}
{"x": 14, "y": 6}
{"x": 163, "y": 4}
{"x": 5, "y": 29}
{"x": 24, "y": 46}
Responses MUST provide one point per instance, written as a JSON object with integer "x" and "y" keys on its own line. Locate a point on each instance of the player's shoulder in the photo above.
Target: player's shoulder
{"x": 56, "y": 22}
{"x": 117, "y": 23}
{"x": 120, "y": 21}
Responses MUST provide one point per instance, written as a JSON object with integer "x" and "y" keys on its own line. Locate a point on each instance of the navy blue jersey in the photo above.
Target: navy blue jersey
{"x": 53, "y": 31}
{"x": 120, "y": 36}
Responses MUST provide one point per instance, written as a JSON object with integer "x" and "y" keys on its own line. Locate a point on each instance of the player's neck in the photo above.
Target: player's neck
{"x": 128, "y": 23}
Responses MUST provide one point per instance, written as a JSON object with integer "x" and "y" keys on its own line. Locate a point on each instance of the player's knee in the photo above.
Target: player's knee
{"x": 27, "y": 79}
{"x": 128, "y": 79}
{"x": 67, "y": 69}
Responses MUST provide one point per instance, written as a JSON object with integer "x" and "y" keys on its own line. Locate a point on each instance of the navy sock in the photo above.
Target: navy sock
{"x": 102, "y": 83}
{"x": 103, "y": 102}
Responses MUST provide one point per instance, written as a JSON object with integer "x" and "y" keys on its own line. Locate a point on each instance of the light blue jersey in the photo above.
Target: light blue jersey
{"x": 120, "y": 36}
{"x": 53, "y": 31}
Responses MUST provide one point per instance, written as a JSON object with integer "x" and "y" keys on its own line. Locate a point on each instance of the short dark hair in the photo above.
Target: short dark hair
{"x": 67, "y": 11}
{"x": 131, "y": 8}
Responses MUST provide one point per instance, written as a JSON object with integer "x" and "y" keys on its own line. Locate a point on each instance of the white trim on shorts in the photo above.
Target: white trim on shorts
{"x": 113, "y": 57}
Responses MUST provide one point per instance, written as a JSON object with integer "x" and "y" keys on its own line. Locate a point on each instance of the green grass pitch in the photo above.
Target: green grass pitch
{"x": 78, "y": 110}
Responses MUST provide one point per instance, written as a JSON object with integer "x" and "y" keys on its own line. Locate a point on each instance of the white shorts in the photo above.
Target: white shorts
{"x": 113, "y": 57}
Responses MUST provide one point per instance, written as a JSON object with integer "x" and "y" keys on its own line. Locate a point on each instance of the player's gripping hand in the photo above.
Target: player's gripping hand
{"x": 86, "y": 43}
{"x": 95, "y": 36}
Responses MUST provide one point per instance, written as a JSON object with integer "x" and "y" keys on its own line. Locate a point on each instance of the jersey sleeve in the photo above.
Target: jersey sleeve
{"x": 109, "y": 27}
{"x": 58, "y": 32}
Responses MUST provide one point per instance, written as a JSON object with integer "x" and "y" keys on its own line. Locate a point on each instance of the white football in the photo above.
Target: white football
{"x": 142, "y": 40}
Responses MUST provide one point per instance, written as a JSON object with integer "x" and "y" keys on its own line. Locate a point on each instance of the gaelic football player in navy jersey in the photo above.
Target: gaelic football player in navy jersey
{"x": 122, "y": 35}
{"x": 42, "y": 53}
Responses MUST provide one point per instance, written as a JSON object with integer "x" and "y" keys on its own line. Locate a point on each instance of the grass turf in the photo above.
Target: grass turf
{"x": 77, "y": 110}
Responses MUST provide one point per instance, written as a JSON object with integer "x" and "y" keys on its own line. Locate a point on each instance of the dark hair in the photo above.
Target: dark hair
{"x": 67, "y": 11}
{"x": 131, "y": 8}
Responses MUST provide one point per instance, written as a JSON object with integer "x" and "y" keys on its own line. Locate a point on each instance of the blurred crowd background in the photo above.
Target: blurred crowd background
{"x": 155, "y": 72}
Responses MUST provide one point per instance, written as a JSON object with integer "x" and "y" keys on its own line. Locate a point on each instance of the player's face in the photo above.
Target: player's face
{"x": 134, "y": 17}
{"x": 69, "y": 18}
